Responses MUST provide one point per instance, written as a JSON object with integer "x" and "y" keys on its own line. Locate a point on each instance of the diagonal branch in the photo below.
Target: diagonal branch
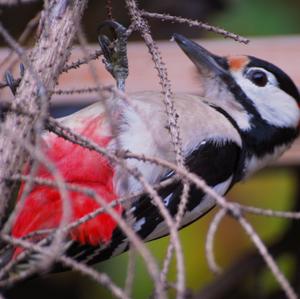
{"x": 47, "y": 59}
{"x": 195, "y": 23}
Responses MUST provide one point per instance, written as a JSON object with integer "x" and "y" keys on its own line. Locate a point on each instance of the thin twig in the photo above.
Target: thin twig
{"x": 279, "y": 276}
{"x": 195, "y": 23}
{"x": 143, "y": 27}
{"x": 181, "y": 210}
{"x": 36, "y": 115}
{"x": 16, "y": 2}
{"x": 209, "y": 244}
{"x": 34, "y": 87}
{"x": 269, "y": 213}
{"x": 191, "y": 177}
{"x": 59, "y": 235}
{"x": 76, "y": 64}
{"x": 86, "y": 191}
{"x": 100, "y": 278}
{"x": 136, "y": 242}
{"x": 23, "y": 37}
{"x": 128, "y": 231}
{"x": 71, "y": 66}
{"x": 77, "y": 188}
{"x": 233, "y": 210}
{"x": 108, "y": 6}
{"x": 131, "y": 269}
{"x": 76, "y": 91}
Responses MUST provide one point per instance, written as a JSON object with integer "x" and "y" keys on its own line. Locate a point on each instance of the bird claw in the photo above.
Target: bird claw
{"x": 22, "y": 70}
{"x": 105, "y": 43}
{"x": 13, "y": 83}
{"x": 115, "y": 52}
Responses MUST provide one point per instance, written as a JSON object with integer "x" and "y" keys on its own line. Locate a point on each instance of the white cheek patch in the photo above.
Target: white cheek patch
{"x": 273, "y": 104}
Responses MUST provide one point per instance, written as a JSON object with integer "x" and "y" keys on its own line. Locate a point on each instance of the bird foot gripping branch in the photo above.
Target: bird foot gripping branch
{"x": 115, "y": 52}
{"x": 13, "y": 84}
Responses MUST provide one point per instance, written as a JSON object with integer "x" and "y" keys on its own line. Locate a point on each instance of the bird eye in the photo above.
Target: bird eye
{"x": 258, "y": 77}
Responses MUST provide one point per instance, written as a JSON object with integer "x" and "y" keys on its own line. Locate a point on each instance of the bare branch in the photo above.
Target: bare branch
{"x": 16, "y": 2}
{"x": 79, "y": 62}
{"x": 76, "y": 91}
{"x": 59, "y": 235}
{"x": 108, "y": 6}
{"x": 269, "y": 213}
{"x": 209, "y": 244}
{"x": 279, "y": 276}
{"x": 143, "y": 27}
{"x": 45, "y": 54}
{"x": 22, "y": 39}
{"x": 71, "y": 66}
{"x": 195, "y": 23}
{"x": 101, "y": 278}
{"x": 131, "y": 268}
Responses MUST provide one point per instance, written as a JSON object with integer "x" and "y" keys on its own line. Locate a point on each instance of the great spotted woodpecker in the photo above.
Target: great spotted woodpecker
{"x": 245, "y": 118}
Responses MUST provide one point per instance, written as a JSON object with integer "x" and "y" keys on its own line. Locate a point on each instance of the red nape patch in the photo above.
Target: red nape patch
{"x": 78, "y": 165}
{"x": 237, "y": 63}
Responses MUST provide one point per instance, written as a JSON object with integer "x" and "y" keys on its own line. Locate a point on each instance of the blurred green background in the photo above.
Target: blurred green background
{"x": 274, "y": 188}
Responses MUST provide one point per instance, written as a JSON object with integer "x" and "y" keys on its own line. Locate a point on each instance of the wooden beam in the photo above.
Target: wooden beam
{"x": 282, "y": 51}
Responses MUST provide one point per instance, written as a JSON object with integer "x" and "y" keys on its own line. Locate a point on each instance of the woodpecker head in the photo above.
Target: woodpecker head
{"x": 260, "y": 98}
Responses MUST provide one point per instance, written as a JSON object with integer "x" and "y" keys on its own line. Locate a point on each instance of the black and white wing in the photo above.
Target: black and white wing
{"x": 217, "y": 163}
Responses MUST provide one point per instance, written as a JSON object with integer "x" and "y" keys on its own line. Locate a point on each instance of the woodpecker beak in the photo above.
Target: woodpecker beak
{"x": 203, "y": 59}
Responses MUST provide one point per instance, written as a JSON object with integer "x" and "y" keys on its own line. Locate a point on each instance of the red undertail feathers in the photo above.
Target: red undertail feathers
{"x": 43, "y": 207}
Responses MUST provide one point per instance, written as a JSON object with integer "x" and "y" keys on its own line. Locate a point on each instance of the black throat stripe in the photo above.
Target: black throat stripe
{"x": 239, "y": 173}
